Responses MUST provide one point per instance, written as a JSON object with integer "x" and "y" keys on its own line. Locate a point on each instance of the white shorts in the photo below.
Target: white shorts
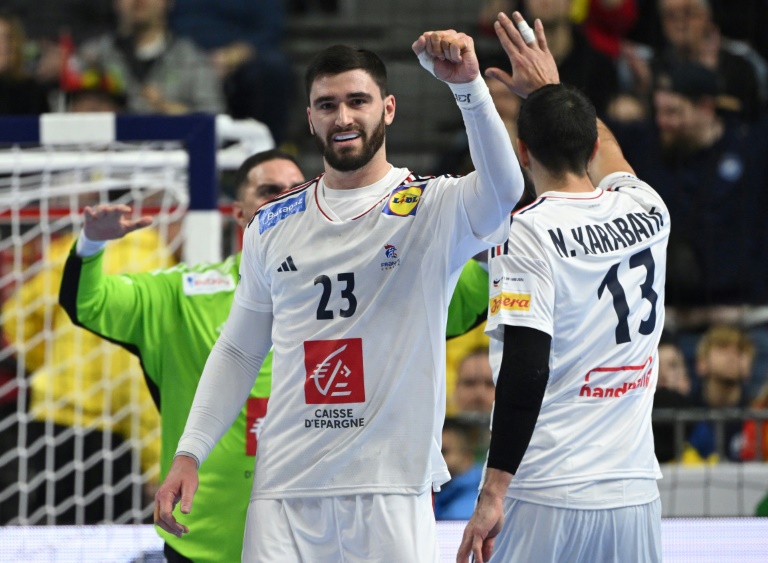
{"x": 534, "y": 532}
{"x": 349, "y": 529}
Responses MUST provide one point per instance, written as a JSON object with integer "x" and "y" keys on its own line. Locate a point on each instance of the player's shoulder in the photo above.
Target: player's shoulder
{"x": 287, "y": 204}
{"x": 627, "y": 184}
{"x": 526, "y": 217}
{"x": 436, "y": 181}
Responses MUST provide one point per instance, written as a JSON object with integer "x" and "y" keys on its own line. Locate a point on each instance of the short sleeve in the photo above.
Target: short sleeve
{"x": 521, "y": 286}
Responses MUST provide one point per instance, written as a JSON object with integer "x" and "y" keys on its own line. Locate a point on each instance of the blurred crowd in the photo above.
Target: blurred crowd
{"x": 682, "y": 83}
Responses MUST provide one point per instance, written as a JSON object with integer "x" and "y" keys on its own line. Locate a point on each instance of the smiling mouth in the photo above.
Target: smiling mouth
{"x": 344, "y": 137}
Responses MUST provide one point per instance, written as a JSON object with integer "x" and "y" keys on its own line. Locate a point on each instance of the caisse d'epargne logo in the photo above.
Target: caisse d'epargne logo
{"x": 334, "y": 371}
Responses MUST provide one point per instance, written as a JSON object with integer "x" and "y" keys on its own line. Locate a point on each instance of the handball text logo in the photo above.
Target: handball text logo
{"x": 404, "y": 201}
{"x": 334, "y": 371}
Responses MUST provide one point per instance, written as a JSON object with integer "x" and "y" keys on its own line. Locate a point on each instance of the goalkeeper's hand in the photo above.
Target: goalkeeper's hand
{"x": 109, "y": 222}
{"x": 180, "y": 485}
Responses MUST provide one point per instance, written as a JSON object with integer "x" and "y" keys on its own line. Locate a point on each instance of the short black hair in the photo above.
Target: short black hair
{"x": 241, "y": 176}
{"x": 343, "y": 58}
{"x": 558, "y": 123}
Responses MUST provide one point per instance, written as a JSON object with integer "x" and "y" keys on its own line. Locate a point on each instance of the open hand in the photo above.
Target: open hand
{"x": 108, "y": 222}
{"x": 533, "y": 66}
{"x": 482, "y": 529}
{"x": 180, "y": 485}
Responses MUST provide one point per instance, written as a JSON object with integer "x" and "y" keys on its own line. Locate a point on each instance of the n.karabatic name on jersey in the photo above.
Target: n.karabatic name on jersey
{"x": 601, "y": 238}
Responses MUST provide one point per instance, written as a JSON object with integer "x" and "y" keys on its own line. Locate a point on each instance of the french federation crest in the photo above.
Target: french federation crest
{"x": 392, "y": 261}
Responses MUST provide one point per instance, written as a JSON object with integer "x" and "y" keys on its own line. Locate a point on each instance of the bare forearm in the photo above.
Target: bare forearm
{"x": 496, "y": 483}
{"x": 609, "y": 157}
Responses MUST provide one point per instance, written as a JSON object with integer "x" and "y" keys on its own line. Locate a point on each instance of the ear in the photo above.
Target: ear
{"x": 309, "y": 120}
{"x": 595, "y": 149}
{"x": 389, "y": 109}
{"x": 237, "y": 211}
{"x": 523, "y": 154}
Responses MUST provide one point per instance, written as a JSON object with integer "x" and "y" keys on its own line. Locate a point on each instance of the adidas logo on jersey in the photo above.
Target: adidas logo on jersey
{"x": 288, "y": 266}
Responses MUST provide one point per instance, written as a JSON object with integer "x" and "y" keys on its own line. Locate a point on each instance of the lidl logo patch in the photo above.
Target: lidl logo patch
{"x": 404, "y": 201}
{"x": 510, "y": 302}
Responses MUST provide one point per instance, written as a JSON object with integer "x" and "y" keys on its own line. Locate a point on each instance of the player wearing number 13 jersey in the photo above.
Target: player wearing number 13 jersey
{"x": 575, "y": 315}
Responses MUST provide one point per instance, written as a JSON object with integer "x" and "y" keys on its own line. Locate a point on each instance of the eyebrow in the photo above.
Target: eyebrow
{"x": 350, "y": 96}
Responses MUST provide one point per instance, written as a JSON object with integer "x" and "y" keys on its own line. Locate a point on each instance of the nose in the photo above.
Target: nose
{"x": 343, "y": 117}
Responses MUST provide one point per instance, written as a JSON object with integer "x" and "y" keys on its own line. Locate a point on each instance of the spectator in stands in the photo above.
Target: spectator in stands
{"x": 162, "y": 73}
{"x": 672, "y": 392}
{"x": 19, "y": 93}
{"x": 711, "y": 171}
{"x": 723, "y": 362}
{"x": 456, "y": 499}
{"x": 475, "y": 390}
{"x": 691, "y": 35}
{"x": 578, "y": 63}
{"x": 48, "y": 21}
{"x": 473, "y": 396}
{"x": 673, "y": 373}
{"x": 755, "y": 434}
{"x": 98, "y": 92}
{"x": 242, "y": 37}
{"x": 608, "y": 22}
{"x": 75, "y": 412}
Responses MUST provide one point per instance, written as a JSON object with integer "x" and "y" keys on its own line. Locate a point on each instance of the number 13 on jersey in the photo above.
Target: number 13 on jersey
{"x": 611, "y": 282}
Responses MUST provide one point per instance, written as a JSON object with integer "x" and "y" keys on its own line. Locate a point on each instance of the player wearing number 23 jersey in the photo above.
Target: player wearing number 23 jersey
{"x": 346, "y": 317}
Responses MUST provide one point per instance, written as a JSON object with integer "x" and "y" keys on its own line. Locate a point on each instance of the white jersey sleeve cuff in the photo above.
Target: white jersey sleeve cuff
{"x": 86, "y": 247}
{"x": 471, "y": 94}
{"x": 608, "y": 182}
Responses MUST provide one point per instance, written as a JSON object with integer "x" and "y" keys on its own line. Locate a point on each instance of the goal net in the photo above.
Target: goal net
{"x": 79, "y": 431}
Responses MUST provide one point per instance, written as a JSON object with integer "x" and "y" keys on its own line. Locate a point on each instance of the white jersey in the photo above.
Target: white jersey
{"x": 360, "y": 308}
{"x": 588, "y": 269}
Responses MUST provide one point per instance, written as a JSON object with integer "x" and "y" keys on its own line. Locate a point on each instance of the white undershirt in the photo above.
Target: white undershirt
{"x": 346, "y": 204}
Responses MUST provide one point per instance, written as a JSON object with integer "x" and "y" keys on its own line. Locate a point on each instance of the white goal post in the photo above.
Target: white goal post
{"x": 79, "y": 433}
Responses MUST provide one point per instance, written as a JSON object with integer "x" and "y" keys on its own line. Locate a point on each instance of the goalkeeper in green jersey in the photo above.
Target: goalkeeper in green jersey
{"x": 171, "y": 318}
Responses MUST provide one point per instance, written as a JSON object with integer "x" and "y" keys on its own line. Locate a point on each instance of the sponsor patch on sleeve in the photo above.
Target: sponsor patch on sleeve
{"x": 511, "y": 292}
{"x": 273, "y": 214}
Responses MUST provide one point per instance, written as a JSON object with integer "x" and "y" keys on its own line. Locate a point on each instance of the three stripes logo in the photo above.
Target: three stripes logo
{"x": 288, "y": 266}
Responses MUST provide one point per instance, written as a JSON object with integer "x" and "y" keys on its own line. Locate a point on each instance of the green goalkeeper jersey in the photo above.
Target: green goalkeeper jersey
{"x": 170, "y": 319}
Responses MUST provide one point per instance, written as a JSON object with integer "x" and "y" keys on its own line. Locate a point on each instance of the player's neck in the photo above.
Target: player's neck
{"x": 569, "y": 183}
{"x": 375, "y": 170}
